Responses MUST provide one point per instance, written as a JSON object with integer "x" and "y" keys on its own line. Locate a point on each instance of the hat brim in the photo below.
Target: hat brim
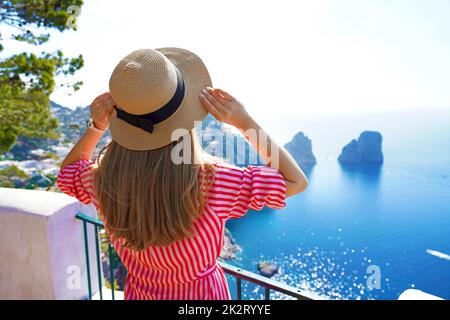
{"x": 196, "y": 77}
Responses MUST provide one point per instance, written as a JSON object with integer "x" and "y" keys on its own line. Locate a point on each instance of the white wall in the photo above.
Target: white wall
{"x": 414, "y": 294}
{"x": 42, "y": 246}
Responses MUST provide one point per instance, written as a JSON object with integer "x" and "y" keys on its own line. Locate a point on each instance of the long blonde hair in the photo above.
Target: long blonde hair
{"x": 147, "y": 199}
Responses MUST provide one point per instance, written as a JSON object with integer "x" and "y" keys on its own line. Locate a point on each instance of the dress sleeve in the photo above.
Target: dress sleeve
{"x": 238, "y": 189}
{"x": 76, "y": 179}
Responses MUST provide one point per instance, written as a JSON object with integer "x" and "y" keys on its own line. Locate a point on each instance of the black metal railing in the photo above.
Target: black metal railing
{"x": 239, "y": 274}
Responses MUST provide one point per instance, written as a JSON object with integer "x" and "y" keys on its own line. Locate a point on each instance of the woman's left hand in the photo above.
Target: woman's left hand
{"x": 101, "y": 109}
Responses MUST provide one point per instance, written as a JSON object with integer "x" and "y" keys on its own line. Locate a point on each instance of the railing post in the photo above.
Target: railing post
{"x": 266, "y": 293}
{"x": 99, "y": 266}
{"x": 86, "y": 251}
{"x": 238, "y": 288}
{"x": 111, "y": 270}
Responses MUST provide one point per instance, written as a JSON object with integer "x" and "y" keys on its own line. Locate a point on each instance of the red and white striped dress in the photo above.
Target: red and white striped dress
{"x": 188, "y": 268}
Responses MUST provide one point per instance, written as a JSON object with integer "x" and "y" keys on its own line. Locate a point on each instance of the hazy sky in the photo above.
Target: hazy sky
{"x": 290, "y": 57}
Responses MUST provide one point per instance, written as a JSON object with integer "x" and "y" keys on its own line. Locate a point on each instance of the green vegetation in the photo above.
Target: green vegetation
{"x": 28, "y": 79}
{"x": 13, "y": 177}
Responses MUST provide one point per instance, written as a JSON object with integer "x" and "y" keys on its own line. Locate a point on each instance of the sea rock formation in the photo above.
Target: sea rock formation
{"x": 267, "y": 269}
{"x": 367, "y": 149}
{"x": 300, "y": 147}
{"x": 230, "y": 248}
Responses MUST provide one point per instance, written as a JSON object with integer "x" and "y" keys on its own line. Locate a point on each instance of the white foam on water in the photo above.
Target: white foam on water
{"x": 438, "y": 254}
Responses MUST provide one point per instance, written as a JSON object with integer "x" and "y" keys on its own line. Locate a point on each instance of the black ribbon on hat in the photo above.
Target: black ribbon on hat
{"x": 147, "y": 121}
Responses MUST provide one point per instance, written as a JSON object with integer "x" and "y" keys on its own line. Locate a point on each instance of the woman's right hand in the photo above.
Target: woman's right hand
{"x": 101, "y": 109}
{"x": 224, "y": 107}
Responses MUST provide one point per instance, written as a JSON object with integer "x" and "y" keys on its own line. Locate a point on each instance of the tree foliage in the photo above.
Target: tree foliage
{"x": 12, "y": 176}
{"x": 28, "y": 79}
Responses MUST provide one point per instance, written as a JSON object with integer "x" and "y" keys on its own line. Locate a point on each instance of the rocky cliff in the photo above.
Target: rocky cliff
{"x": 224, "y": 142}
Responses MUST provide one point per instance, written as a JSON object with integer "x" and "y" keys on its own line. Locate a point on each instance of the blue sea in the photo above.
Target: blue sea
{"x": 351, "y": 219}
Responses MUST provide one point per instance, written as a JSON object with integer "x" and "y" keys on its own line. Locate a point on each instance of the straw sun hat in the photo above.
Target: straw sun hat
{"x": 156, "y": 92}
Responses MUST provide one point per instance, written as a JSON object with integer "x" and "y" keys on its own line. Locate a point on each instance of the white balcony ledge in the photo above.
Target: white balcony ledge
{"x": 42, "y": 246}
{"x": 414, "y": 294}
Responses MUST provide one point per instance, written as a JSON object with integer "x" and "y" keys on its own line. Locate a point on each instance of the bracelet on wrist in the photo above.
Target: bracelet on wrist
{"x": 91, "y": 125}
